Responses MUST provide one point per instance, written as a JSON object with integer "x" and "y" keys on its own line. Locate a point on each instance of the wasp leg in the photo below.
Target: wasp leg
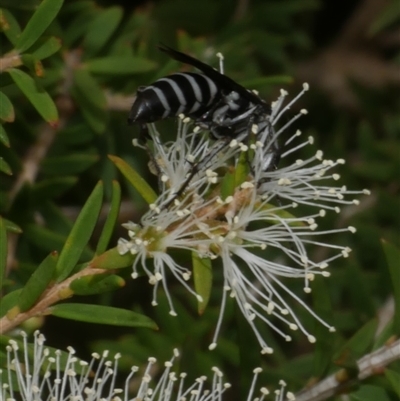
{"x": 144, "y": 135}
{"x": 249, "y": 113}
{"x": 272, "y": 158}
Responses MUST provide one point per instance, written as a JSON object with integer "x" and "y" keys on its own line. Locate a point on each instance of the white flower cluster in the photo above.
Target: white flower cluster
{"x": 228, "y": 200}
{"x": 34, "y": 373}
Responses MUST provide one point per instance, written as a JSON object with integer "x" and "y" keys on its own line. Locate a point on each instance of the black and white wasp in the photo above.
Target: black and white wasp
{"x": 213, "y": 100}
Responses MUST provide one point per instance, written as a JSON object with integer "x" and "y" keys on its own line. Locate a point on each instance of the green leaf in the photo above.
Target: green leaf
{"x": 100, "y": 30}
{"x": 77, "y": 25}
{"x": 8, "y": 301}
{"x": 91, "y": 99}
{"x": 325, "y": 341}
{"x": 97, "y": 284}
{"x": 4, "y": 137}
{"x": 356, "y": 346}
{"x": 90, "y": 89}
{"x": 387, "y": 16}
{"x": 76, "y": 135}
{"x": 3, "y": 251}
{"x": 135, "y": 179}
{"x": 5, "y": 167}
{"x": 12, "y": 227}
{"x": 102, "y": 315}
{"x": 38, "y": 282}
{"x": 120, "y": 65}
{"x": 77, "y": 7}
{"x": 112, "y": 217}
{"x": 40, "y": 20}
{"x": 227, "y": 185}
{"x": 96, "y": 119}
{"x": 55, "y": 219}
{"x": 368, "y": 392}
{"x": 3, "y": 355}
{"x": 112, "y": 260}
{"x": 6, "y": 109}
{"x": 80, "y": 233}
{"x": 70, "y": 164}
{"x": 385, "y": 335}
{"x": 46, "y": 48}
{"x": 39, "y": 98}
{"x": 394, "y": 380}
{"x": 289, "y": 218}
{"x": 242, "y": 169}
{"x": 360, "y": 299}
{"x": 52, "y": 187}
{"x": 202, "y": 276}
{"x": 9, "y": 26}
{"x": 21, "y": 4}
{"x": 95, "y": 116}
{"x": 48, "y": 240}
{"x": 392, "y": 254}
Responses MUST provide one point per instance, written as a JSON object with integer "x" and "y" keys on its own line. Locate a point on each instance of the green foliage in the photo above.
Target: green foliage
{"x": 38, "y": 282}
{"x": 392, "y": 254}
{"x": 202, "y": 277}
{"x": 3, "y": 247}
{"x": 135, "y": 179}
{"x": 80, "y": 234}
{"x": 38, "y": 23}
{"x": 39, "y": 98}
{"x": 102, "y": 314}
{"x": 69, "y": 72}
{"x": 369, "y": 393}
{"x": 6, "y": 109}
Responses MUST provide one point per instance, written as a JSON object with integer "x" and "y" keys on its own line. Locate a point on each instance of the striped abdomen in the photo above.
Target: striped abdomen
{"x": 189, "y": 93}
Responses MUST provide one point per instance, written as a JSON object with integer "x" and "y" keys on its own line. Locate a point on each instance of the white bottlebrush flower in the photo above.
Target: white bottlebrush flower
{"x": 186, "y": 159}
{"x": 34, "y": 373}
{"x": 178, "y": 226}
{"x": 255, "y": 228}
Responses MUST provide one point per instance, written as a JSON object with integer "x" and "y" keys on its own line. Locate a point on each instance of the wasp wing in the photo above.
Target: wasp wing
{"x": 224, "y": 81}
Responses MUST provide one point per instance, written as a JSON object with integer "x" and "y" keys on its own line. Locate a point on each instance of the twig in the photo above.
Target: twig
{"x": 385, "y": 315}
{"x": 368, "y": 365}
{"x": 52, "y": 295}
{"x": 10, "y": 60}
{"x": 33, "y": 158}
{"x": 118, "y": 102}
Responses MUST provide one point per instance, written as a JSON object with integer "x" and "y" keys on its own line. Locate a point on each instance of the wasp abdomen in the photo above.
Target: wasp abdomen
{"x": 187, "y": 93}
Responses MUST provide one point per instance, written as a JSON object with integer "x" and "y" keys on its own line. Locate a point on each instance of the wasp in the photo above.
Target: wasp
{"x": 214, "y": 101}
